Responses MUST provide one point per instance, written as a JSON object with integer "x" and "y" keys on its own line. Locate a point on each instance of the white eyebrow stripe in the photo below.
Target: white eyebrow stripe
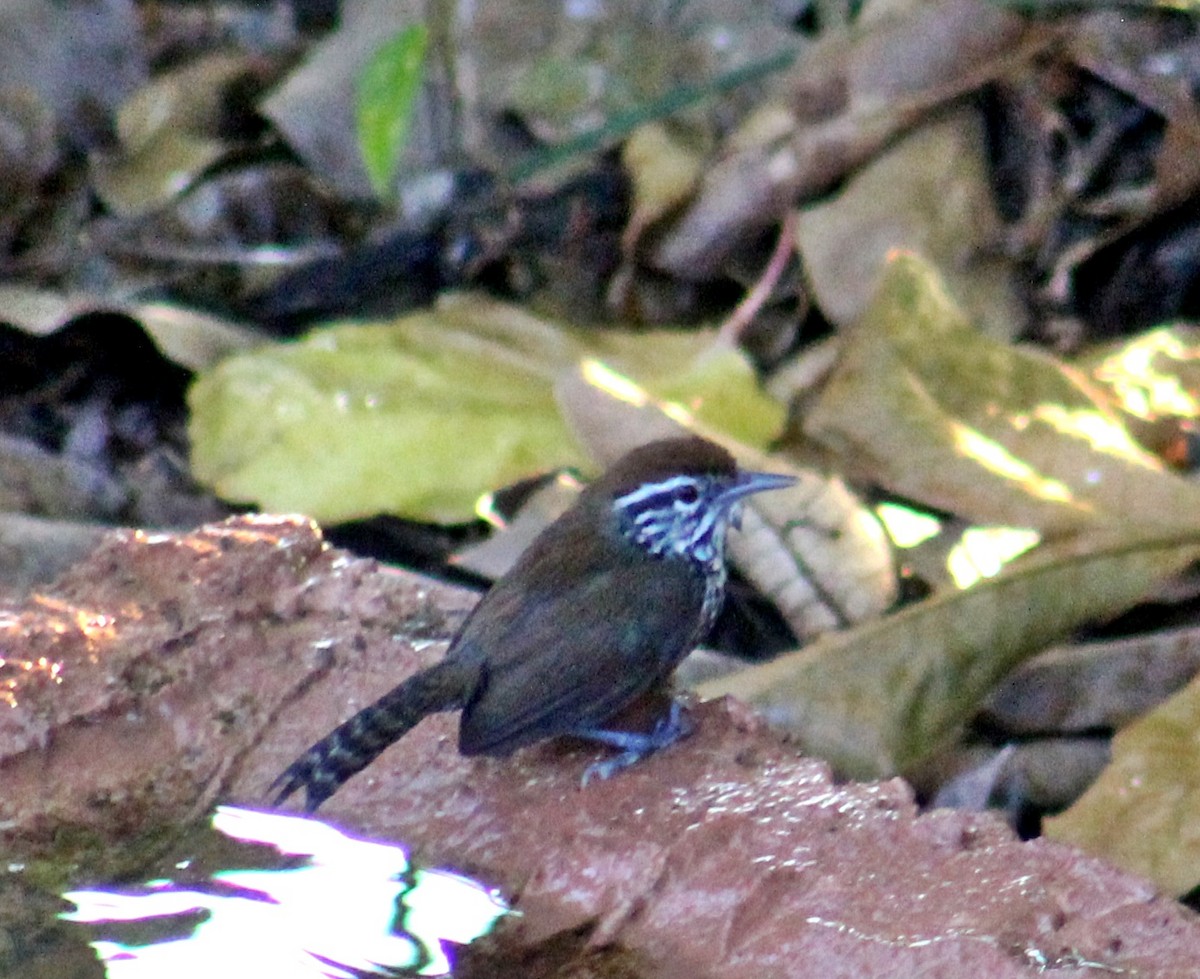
{"x": 666, "y": 488}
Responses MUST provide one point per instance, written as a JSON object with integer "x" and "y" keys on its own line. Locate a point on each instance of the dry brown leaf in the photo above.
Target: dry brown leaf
{"x": 169, "y": 135}
{"x": 851, "y": 95}
{"x": 190, "y": 338}
{"x": 1096, "y": 685}
{"x": 930, "y": 193}
{"x": 36, "y": 550}
{"x": 493, "y": 557}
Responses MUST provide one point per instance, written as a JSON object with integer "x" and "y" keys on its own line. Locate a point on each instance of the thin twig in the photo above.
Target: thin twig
{"x": 743, "y": 314}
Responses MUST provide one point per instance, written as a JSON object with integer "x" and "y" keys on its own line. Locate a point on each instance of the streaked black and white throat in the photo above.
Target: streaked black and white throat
{"x": 682, "y": 517}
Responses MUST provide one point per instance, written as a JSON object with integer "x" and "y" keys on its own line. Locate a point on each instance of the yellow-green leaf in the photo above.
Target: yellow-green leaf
{"x": 1141, "y": 813}
{"x": 420, "y": 416}
{"x": 925, "y": 404}
{"x": 878, "y": 699}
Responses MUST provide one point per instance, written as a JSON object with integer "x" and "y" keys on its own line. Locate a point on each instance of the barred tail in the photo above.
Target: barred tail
{"x": 350, "y": 748}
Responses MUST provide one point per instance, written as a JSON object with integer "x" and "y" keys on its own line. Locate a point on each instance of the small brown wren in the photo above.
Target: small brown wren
{"x": 598, "y": 610}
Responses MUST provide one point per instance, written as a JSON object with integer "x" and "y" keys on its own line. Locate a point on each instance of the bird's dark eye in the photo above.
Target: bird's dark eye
{"x": 689, "y": 493}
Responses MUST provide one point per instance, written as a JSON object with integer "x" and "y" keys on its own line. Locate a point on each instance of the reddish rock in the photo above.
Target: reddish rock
{"x": 167, "y": 672}
{"x": 141, "y": 681}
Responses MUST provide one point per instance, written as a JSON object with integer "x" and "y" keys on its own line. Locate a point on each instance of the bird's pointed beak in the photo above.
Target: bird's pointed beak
{"x": 748, "y": 483}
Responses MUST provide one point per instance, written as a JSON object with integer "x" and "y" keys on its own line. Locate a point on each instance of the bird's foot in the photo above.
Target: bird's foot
{"x": 303, "y": 774}
{"x": 634, "y": 745}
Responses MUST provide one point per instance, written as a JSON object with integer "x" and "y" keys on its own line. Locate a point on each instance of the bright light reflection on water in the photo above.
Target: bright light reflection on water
{"x": 352, "y": 908}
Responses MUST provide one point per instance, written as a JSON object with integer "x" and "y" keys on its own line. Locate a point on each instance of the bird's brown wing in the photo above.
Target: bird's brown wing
{"x": 577, "y": 655}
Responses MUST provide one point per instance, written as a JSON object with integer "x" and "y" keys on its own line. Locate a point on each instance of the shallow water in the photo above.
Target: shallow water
{"x": 263, "y": 894}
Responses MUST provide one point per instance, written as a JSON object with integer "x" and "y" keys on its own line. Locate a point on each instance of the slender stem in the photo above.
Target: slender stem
{"x": 621, "y": 124}
{"x": 743, "y": 314}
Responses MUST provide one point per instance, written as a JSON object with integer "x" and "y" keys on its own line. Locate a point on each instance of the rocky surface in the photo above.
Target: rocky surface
{"x": 167, "y": 672}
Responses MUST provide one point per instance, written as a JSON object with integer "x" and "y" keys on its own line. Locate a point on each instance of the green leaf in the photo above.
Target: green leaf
{"x": 420, "y": 416}
{"x": 387, "y": 94}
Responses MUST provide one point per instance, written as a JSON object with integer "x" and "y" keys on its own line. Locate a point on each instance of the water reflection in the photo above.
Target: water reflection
{"x": 338, "y": 907}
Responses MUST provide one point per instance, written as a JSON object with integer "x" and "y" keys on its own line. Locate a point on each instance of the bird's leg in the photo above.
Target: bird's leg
{"x": 635, "y": 745}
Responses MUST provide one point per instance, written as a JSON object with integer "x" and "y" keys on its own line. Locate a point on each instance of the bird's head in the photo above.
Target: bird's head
{"x": 676, "y": 497}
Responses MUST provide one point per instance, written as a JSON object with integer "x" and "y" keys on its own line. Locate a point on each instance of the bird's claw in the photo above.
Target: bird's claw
{"x": 636, "y": 746}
